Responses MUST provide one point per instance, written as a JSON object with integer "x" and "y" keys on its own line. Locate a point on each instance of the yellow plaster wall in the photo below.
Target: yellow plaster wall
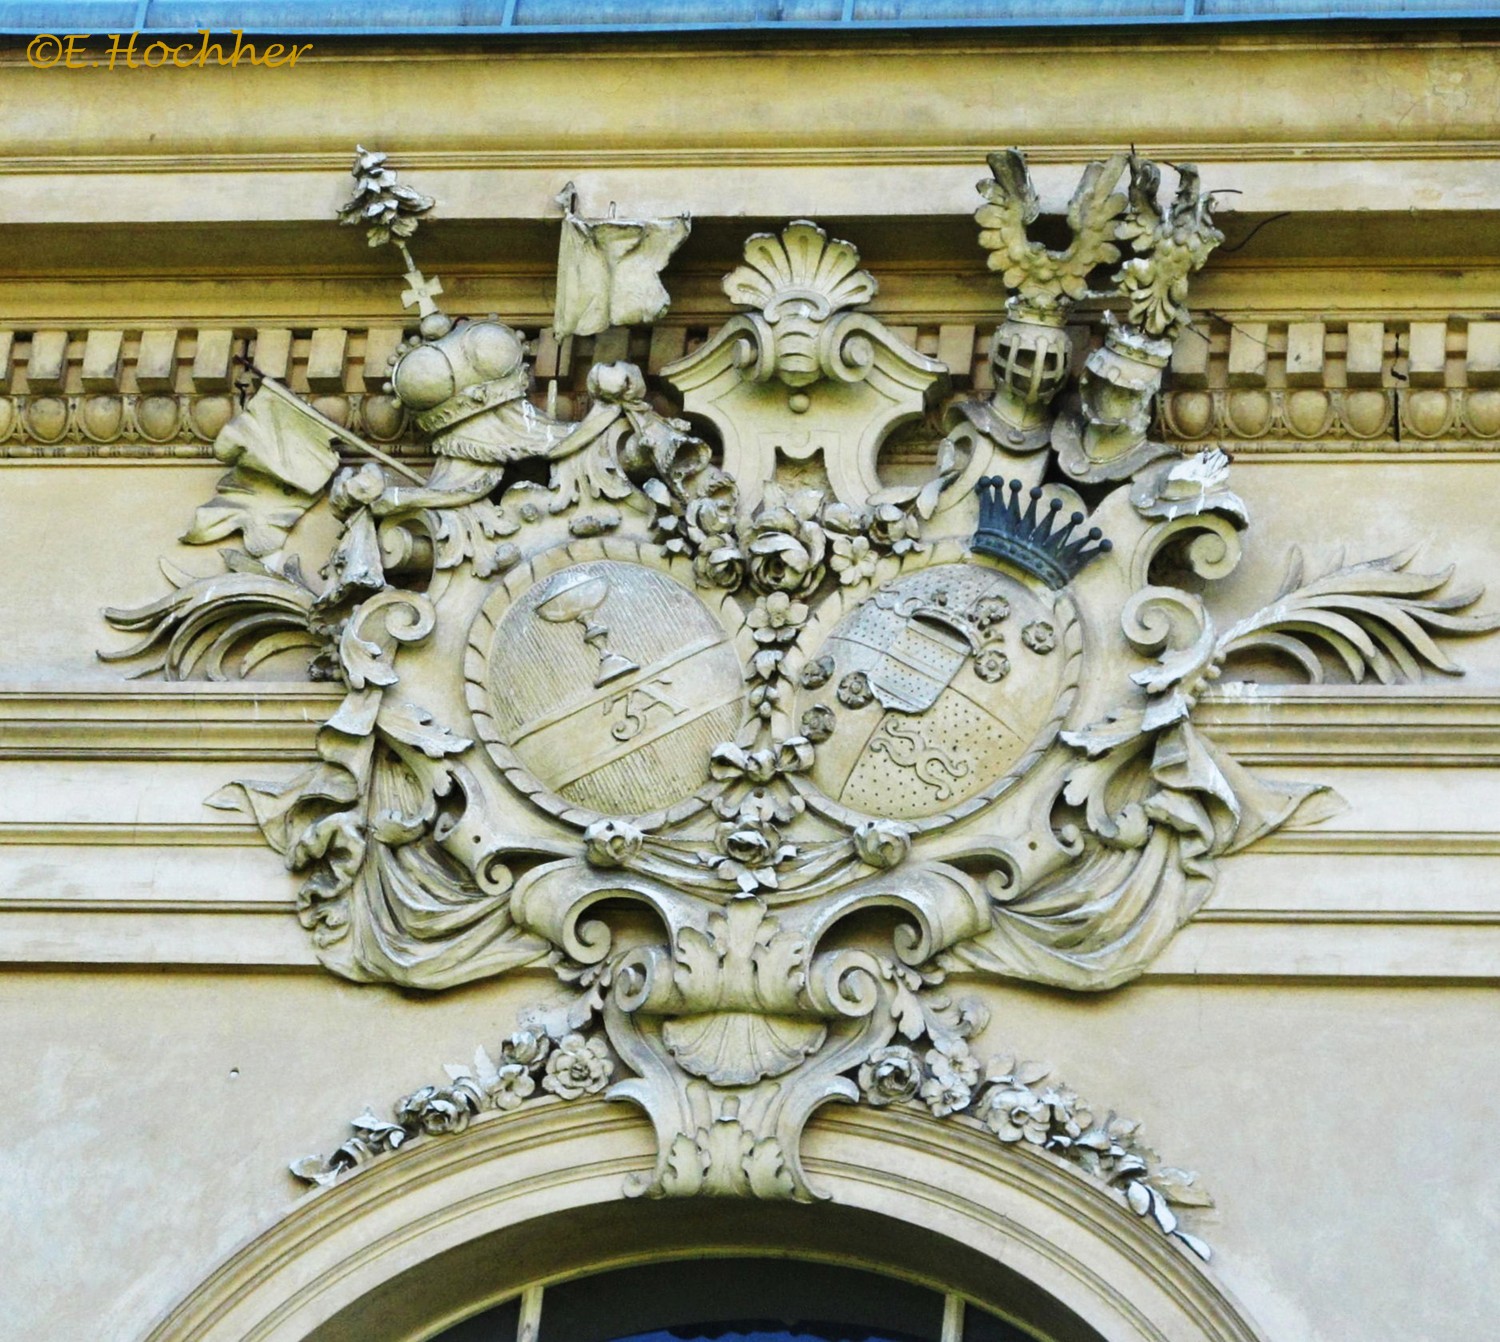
{"x": 1321, "y": 1047}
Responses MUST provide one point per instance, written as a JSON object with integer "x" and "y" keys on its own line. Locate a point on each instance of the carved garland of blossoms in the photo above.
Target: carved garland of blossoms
{"x": 1019, "y": 1102}
{"x": 528, "y": 1065}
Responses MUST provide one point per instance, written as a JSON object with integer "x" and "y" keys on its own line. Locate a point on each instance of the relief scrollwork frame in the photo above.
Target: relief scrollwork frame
{"x": 798, "y": 949}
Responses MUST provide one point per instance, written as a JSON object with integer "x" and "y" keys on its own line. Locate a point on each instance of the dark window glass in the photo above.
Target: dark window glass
{"x": 724, "y": 1300}
{"x": 715, "y": 1297}
{"x": 498, "y": 1324}
{"x": 982, "y": 1326}
{"x": 748, "y": 1330}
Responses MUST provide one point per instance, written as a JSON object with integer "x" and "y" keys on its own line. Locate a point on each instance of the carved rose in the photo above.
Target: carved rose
{"x": 895, "y": 529}
{"x": 753, "y": 847}
{"x": 1039, "y": 636}
{"x": 578, "y": 1066}
{"x": 953, "y": 1076}
{"x": 882, "y": 843}
{"x": 853, "y": 559}
{"x": 526, "y": 1048}
{"x": 854, "y": 690}
{"x": 511, "y": 1084}
{"x": 486, "y": 1084}
{"x": 611, "y": 843}
{"x": 750, "y": 842}
{"x": 847, "y": 521}
{"x": 891, "y": 1076}
{"x": 750, "y": 849}
{"x": 776, "y": 618}
{"x": 787, "y": 546}
{"x": 816, "y": 673}
{"x": 1070, "y": 1116}
{"x": 717, "y": 558}
{"x": 433, "y": 1110}
{"x": 991, "y": 665}
{"x": 817, "y": 723}
{"x": 704, "y": 529}
{"x": 1015, "y": 1113}
{"x": 990, "y": 610}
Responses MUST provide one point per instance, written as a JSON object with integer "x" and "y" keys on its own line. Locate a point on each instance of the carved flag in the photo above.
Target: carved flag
{"x": 608, "y": 271}
{"x": 280, "y": 450}
{"x": 279, "y": 435}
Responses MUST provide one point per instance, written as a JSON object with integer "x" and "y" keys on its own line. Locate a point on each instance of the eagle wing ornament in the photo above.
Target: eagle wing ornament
{"x": 1043, "y": 278}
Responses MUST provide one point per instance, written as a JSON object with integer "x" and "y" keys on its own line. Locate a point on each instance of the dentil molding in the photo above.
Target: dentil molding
{"x": 1311, "y": 385}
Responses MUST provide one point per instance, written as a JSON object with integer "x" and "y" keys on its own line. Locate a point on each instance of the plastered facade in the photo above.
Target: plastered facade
{"x": 1317, "y": 1041}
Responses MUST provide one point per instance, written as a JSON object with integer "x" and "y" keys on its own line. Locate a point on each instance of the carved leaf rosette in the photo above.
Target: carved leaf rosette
{"x": 766, "y": 755}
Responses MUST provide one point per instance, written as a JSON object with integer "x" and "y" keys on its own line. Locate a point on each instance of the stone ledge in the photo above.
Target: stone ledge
{"x": 146, "y": 190}
{"x": 169, "y": 902}
{"x": 189, "y": 720}
{"x": 270, "y": 720}
{"x": 1221, "y": 946}
{"x": 1353, "y": 724}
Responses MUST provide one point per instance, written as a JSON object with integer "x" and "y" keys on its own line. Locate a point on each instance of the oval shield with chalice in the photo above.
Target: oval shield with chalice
{"x": 936, "y": 691}
{"x": 609, "y": 684}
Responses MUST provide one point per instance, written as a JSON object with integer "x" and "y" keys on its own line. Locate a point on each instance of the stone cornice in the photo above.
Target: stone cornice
{"x": 1228, "y": 945}
{"x": 189, "y": 834}
{"x": 1306, "y": 387}
{"x": 920, "y": 188}
{"x": 94, "y": 834}
{"x": 1328, "y": 85}
{"x": 836, "y": 153}
{"x": 1364, "y": 725}
{"x": 862, "y": 41}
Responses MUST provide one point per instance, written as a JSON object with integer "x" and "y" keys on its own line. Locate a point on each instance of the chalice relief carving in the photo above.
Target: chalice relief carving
{"x": 576, "y": 596}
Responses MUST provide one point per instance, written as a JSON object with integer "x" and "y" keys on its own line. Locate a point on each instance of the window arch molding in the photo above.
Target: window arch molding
{"x": 434, "y": 1233}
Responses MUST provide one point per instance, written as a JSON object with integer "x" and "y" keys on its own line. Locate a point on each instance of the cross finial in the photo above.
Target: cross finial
{"x": 423, "y": 293}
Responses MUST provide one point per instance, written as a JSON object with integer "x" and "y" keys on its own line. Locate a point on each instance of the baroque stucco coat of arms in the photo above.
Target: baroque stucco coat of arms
{"x": 766, "y": 755}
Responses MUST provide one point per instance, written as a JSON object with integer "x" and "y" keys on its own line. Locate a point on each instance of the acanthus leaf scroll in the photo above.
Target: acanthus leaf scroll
{"x": 765, "y": 698}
